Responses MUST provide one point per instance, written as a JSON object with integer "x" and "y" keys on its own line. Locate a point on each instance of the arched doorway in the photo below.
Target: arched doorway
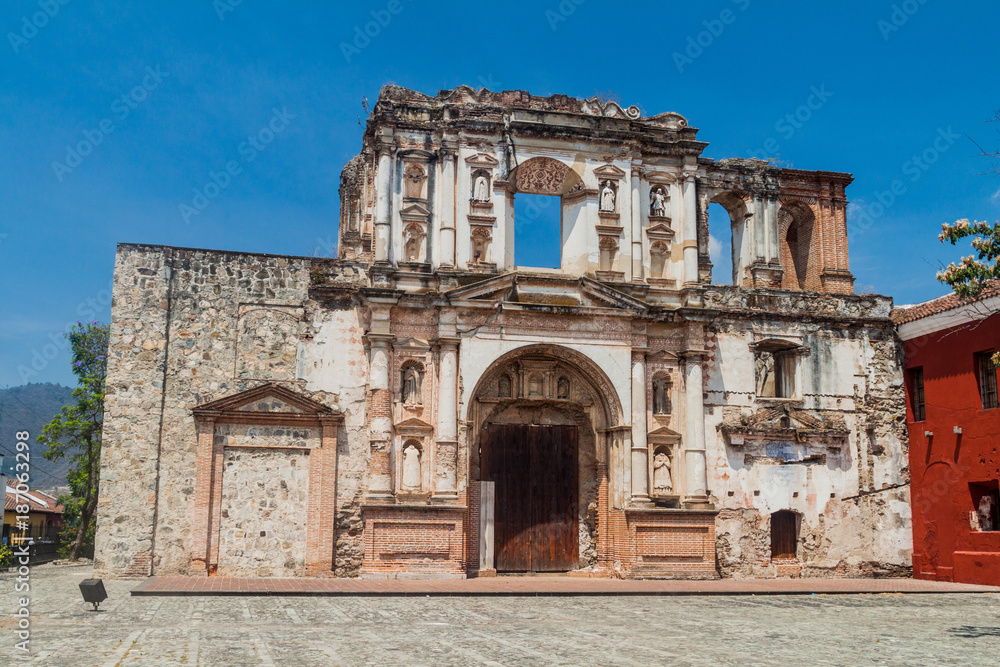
{"x": 541, "y": 417}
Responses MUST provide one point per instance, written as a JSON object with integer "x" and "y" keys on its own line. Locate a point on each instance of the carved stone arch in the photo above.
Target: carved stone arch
{"x": 796, "y": 223}
{"x": 595, "y": 380}
{"x": 544, "y": 176}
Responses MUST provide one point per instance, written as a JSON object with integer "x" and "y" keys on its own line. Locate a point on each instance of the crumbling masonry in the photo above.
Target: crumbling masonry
{"x": 421, "y": 406}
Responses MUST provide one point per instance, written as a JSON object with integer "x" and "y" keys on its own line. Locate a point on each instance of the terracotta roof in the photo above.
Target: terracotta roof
{"x": 903, "y": 314}
{"x": 37, "y": 501}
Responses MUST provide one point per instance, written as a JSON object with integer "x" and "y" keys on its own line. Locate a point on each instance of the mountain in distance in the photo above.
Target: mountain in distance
{"x": 29, "y": 407}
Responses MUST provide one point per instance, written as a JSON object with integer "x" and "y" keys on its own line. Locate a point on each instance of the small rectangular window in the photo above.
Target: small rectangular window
{"x": 917, "y": 394}
{"x": 985, "y": 515}
{"x": 986, "y": 374}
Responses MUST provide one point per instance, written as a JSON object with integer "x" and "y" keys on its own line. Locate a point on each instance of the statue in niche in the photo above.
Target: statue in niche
{"x": 608, "y": 197}
{"x": 411, "y": 386}
{"x": 482, "y": 189}
{"x": 504, "y": 389}
{"x": 985, "y": 512}
{"x": 661, "y": 397}
{"x": 662, "y": 477}
{"x": 413, "y": 249}
{"x": 411, "y": 466}
{"x": 562, "y": 388}
{"x": 657, "y": 202}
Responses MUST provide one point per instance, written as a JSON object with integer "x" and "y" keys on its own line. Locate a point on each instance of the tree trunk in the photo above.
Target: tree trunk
{"x": 86, "y": 513}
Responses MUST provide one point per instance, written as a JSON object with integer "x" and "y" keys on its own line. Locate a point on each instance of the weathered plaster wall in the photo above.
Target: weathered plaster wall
{"x": 852, "y": 498}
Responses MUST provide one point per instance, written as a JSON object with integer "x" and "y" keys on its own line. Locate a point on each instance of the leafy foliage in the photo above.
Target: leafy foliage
{"x": 972, "y": 275}
{"x": 76, "y": 432}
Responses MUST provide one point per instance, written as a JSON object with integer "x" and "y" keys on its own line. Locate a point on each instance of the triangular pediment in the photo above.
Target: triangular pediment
{"x": 411, "y": 344}
{"x": 413, "y": 424}
{"x": 268, "y": 398}
{"x": 547, "y": 290}
{"x": 662, "y": 355}
{"x": 482, "y": 160}
{"x": 663, "y": 434}
{"x": 609, "y": 171}
{"x": 659, "y": 230}
{"x": 414, "y": 210}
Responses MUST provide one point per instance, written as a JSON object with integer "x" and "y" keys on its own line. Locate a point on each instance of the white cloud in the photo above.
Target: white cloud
{"x": 715, "y": 250}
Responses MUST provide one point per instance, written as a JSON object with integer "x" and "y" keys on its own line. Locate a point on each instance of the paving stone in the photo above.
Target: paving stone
{"x": 874, "y": 629}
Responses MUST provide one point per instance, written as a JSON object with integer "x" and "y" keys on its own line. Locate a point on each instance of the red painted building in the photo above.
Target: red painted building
{"x": 954, "y": 427}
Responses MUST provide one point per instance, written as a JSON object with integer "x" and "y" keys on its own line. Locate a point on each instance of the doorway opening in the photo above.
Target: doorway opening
{"x": 538, "y": 231}
{"x": 784, "y": 534}
{"x": 534, "y": 469}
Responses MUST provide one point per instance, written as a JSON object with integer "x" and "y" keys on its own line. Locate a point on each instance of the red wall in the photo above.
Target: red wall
{"x": 944, "y": 545}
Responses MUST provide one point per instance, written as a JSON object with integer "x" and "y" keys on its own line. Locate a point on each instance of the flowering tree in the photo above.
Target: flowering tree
{"x": 76, "y": 432}
{"x": 974, "y": 272}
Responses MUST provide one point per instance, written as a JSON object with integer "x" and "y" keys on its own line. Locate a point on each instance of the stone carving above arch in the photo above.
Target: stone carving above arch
{"x": 544, "y": 176}
{"x": 587, "y": 382}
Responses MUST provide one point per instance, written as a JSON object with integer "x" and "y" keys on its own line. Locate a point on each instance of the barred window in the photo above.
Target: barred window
{"x": 917, "y": 394}
{"x": 986, "y": 373}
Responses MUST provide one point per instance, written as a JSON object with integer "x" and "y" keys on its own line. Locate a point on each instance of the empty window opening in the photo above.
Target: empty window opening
{"x": 784, "y": 534}
{"x": 538, "y": 231}
{"x": 985, "y": 515}
{"x": 775, "y": 370}
{"x": 795, "y": 228}
{"x": 986, "y": 375}
{"x": 917, "y": 394}
{"x": 720, "y": 245}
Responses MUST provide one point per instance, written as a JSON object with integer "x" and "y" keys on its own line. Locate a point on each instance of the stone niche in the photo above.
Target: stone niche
{"x": 266, "y": 478}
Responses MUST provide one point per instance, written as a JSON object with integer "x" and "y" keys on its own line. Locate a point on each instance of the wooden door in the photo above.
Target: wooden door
{"x": 535, "y": 472}
{"x": 783, "y": 538}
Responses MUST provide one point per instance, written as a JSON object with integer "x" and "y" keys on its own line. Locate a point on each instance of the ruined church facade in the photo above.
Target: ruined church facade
{"x": 422, "y": 406}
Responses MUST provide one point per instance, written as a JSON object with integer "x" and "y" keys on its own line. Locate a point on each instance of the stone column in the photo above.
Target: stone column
{"x": 380, "y": 420}
{"x": 772, "y": 227}
{"x": 447, "y": 214}
{"x": 694, "y": 432}
{"x": 383, "y": 211}
{"x": 637, "y": 272}
{"x": 690, "y": 229}
{"x": 759, "y": 222}
{"x": 640, "y": 453}
{"x": 446, "y": 447}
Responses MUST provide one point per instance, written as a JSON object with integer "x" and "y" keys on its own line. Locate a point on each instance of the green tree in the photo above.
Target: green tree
{"x": 76, "y": 432}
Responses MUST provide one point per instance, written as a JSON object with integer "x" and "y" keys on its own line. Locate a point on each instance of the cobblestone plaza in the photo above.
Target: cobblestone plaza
{"x": 925, "y": 629}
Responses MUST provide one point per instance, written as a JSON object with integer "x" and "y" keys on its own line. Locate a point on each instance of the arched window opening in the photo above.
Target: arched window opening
{"x": 795, "y": 227}
{"x": 727, "y": 213}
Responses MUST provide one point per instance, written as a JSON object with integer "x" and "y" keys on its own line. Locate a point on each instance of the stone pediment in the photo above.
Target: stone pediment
{"x": 411, "y": 344}
{"x": 609, "y": 171}
{"x": 662, "y": 355}
{"x": 415, "y": 210}
{"x": 663, "y": 434}
{"x": 414, "y": 425}
{"x": 268, "y": 401}
{"x": 547, "y": 290}
{"x": 784, "y": 422}
{"x": 659, "y": 231}
{"x": 482, "y": 160}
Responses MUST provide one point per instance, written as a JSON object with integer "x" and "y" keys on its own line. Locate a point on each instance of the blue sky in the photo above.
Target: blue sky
{"x": 181, "y": 86}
